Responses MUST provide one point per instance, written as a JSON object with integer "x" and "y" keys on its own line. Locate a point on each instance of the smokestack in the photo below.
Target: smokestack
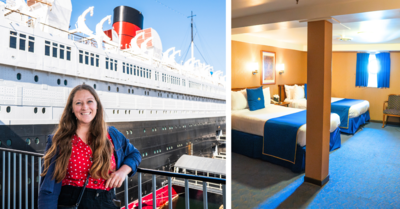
{"x": 126, "y": 22}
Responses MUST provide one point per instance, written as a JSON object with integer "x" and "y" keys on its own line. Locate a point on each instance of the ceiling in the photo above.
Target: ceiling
{"x": 283, "y": 23}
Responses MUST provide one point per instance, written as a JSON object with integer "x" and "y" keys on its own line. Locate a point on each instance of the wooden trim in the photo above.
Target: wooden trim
{"x": 238, "y": 89}
{"x": 316, "y": 182}
{"x": 262, "y": 70}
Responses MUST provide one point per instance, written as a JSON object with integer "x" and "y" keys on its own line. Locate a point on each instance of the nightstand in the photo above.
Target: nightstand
{"x": 283, "y": 104}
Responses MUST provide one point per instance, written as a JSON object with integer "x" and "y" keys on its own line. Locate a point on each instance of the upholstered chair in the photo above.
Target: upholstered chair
{"x": 391, "y": 108}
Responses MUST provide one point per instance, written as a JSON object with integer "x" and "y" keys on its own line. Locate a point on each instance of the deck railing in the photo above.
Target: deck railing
{"x": 20, "y": 169}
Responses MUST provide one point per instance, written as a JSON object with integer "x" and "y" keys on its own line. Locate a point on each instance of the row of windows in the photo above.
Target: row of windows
{"x": 23, "y": 42}
{"x": 194, "y": 85}
{"x": 85, "y": 55}
{"x": 171, "y": 79}
{"x": 57, "y": 50}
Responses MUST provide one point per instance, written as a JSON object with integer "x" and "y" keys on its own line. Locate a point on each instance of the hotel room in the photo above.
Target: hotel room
{"x": 335, "y": 65}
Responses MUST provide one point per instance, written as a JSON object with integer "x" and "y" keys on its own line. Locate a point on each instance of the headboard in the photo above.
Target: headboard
{"x": 282, "y": 92}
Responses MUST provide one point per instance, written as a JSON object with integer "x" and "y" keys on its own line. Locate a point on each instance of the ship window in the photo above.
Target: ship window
{"x": 91, "y": 59}
{"x": 9, "y": 143}
{"x": 86, "y": 58}
{"x": 36, "y": 78}
{"x": 111, "y": 64}
{"x": 123, "y": 67}
{"x": 109, "y": 88}
{"x": 132, "y": 91}
{"x": 117, "y": 89}
{"x": 80, "y": 56}
{"x": 19, "y": 76}
{"x": 28, "y": 141}
{"x": 13, "y": 39}
{"x": 22, "y": 42}
{"x": 134, "y": 70}
{"x": 149, "y": 74}
{"x": 47, "y": 48}
{"x": 8, "y": 109}
{"x": 65, "y": 82}
{"x": 43, "y": 110}
{"x": 144, "y": 130}
{"x": 141, "y": 72}
{"x": 97, "y": 60}
{"x": 131, "y": 69}
{"x": 55, "y": 50}
{"x": 129, "y": 91}
{"x": 107, "y": 63}
{"x": 62, "y": 47}
{"x": 31, "y": 44}
{"x": 68, "y": 53}
{"x": 58, "y": 81}
{"x": 116, "y": 65}
{"x": 94, "y": 86}
{"x": 35, "y": 110}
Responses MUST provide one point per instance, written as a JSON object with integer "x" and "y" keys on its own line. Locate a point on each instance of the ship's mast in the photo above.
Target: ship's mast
{"x": 191, "y": 16}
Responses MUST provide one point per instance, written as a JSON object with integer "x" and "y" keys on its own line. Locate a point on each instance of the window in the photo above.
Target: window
{"x": 62, "y": 49}
{"x": 22, "y": 42}
{"x": 131, "y": 69}
{"x": 115, "y": 65}
{"x": 134, "y": 70}
{"x": 373, "y": 69}
{"x": 86, "y": 58}
{"x": 123, "y": 67}
{"x": 91, "y": 59}
{"x": 80, "y": 56}
{"x": 68, "y": 53}
{"x": 13, "y": 39}
{"x": 47, "y": 48}
{"x": 55, "y": 49}
{"x": 97, "y": 60}
{"x": 107, "y": 62}
{"x": 111, "y": 64}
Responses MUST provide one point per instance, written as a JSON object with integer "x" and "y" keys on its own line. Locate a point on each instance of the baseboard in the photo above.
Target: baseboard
{"x": 387, "y": 123}
{"x": 316, "y": 182}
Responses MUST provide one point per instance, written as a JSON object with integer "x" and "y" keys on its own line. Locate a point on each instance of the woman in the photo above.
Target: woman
{"x": 83, "y": 146}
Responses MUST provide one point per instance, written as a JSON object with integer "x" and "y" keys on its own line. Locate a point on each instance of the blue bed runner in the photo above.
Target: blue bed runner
{"x": 280, "y": 136}
{"x": 342, "y": 108}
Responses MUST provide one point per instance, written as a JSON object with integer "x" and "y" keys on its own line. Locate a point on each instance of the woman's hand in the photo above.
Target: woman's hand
{"x": 118, "y": 177}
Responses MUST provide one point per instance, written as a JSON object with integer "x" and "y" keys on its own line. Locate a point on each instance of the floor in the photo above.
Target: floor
{"x": 364, "y": 173}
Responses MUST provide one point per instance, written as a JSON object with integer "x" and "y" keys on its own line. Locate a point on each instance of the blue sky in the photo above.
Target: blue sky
{"x": 169, "y": 19}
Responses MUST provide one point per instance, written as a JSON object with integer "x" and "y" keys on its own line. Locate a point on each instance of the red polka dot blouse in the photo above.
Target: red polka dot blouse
{"x": 79, "y": 166}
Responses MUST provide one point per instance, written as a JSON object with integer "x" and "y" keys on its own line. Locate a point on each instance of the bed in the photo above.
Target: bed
{"x": 353, "y": 113}
{"x": 249, "y": 136}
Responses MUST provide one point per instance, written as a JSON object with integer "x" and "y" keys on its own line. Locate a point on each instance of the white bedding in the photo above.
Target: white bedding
{"x": 252, "y": 122}
{"x": 355, "y": 110}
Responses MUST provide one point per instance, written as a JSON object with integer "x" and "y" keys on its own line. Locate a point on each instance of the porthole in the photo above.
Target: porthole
{"x": 37, "y": 140}
{"x": 35, "y": 110}
{"x": 65, "y": 82}
{"x": 131, "y": 132}
{"x": 144, "y": 130}
{"x": 127, "y": 132}
{"x": 117, "y": 111}
{"x": 9, "y": 143}
{"x": 152, "y": 130}
{"x": 143, "y": 155}
{"x": 19, "y": 76}
{"x": 28, "y": 141}
{"x": 43, "y": 110}
{"x": 151, "y": 111}
{"x": 129, "y": 91}
{"x": 126, "y": 111}
{"x": 58, "y": 81}
{"x": 36, "y": 78}
{"x": 129, "y": 112}
{"x": 154, "y": 152}
{"x": 133, "y": 91}
{"x": 146, "y": 153}
{"x": 94, "y": 86}
{"x": 109, "y": 88}
{"x": 117, "y": 89}
{"x": 8, "y": 109}
{"x": 139, "y": 111}
{"x": 113, "y": 111}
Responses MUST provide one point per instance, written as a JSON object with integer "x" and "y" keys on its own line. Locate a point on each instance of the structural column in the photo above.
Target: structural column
{"x": 319, "y": 62}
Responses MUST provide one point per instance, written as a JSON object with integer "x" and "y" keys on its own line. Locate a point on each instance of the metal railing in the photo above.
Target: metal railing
{"x": 22, "y": 168}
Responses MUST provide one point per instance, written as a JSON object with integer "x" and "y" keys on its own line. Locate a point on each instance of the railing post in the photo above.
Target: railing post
{"x": 39, "y": 172}
{"x": 187, "y": 205}
{"x": 154, "y": 192}
{"x": 9, "y": 182}
{"x": 14, "y": 179}
{"x": 126, "y": 192}
{"x": 140, "y": 190}
{"x": 26, "y": 181}
{"x": 4, "y": 180}
{"x": 169, "y": 193}
{"x": 224, "y": 194}
{"x": 205, "y": 200}
{"x": 20, "y": 181}
{"x": 33, "y": 181}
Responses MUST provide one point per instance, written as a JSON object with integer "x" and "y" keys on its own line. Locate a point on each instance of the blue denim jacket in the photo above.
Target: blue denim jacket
{"x": 125, "y": 154}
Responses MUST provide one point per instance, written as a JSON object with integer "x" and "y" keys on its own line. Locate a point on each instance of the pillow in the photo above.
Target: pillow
{"x": 255, "y": 98}
{"x": 305, "y": 91}
{"x": 244, "y": 92}
{"x": 238, "y": 101}
{"x": 267, "y": 96}
{"x": 289, "y": 91}
{"x": 298, "y": 92}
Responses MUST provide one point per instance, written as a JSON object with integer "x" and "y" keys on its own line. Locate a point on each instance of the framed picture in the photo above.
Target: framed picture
{"x": 268, "y": 72}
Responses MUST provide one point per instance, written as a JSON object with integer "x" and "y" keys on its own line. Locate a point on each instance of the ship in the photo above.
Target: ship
{"x": 160, "y": 105}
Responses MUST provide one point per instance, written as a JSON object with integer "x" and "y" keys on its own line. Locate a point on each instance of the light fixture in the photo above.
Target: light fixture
{"x": 280, "y": 68}
{"x": 254, "y": 67}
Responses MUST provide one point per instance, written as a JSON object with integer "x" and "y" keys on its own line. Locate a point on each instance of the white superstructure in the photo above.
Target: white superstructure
{"x": 40, "y": 62}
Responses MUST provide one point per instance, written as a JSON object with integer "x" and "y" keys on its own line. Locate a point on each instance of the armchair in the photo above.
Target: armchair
{"x": 391, "y": 108}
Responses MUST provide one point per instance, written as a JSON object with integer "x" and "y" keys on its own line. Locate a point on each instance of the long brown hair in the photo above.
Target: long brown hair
{"x": 62, "y": 140}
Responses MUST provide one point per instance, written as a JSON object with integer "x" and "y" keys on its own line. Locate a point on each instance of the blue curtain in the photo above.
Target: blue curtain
{"x": 362, "y": 69}
{"x": 384, "y": 72}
